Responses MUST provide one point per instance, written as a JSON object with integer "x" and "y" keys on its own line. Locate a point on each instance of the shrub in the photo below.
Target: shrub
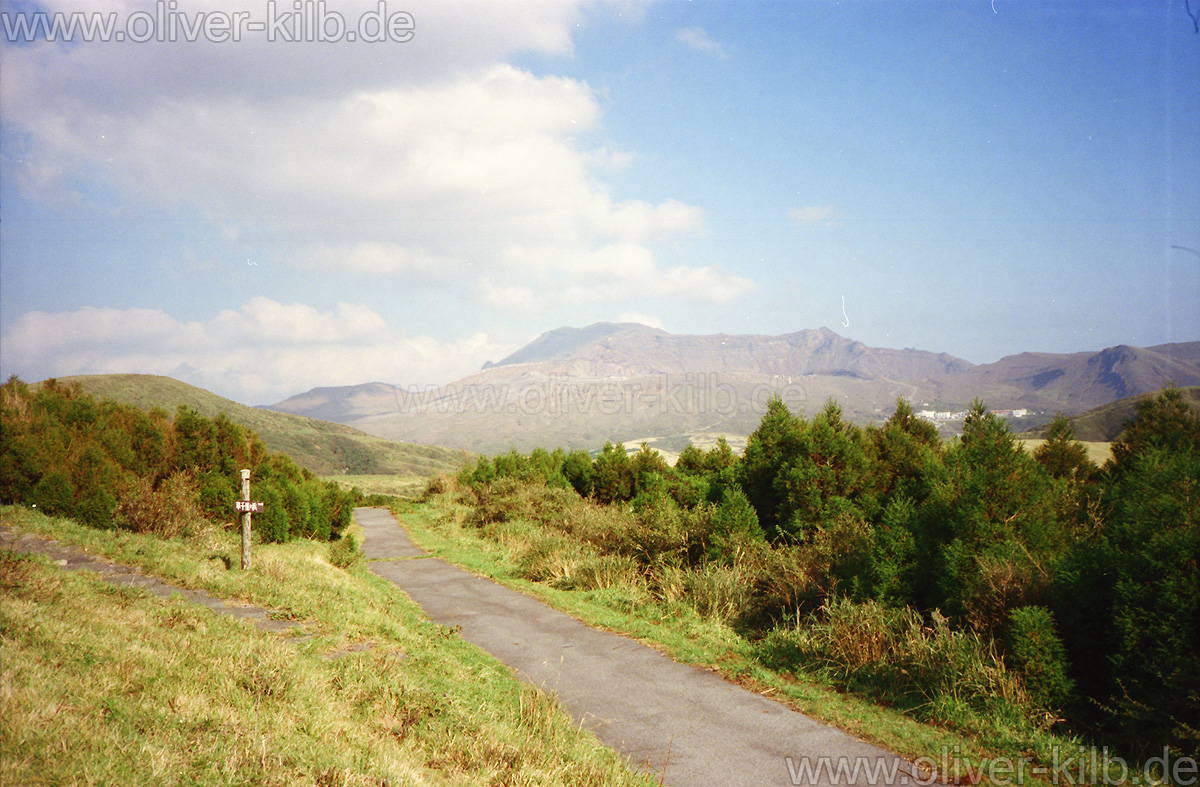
{"x": 54, "y": 494}
{"x": 551, "y": 558}
{"x": 892, "y": 553}
{"x": 439, "y": 485}
{"x": 612, "y": 475}
{"x": 602, "y": 572}
{"x": 507, "y": 500}
{"x": 577, "y": 470}
{"x": 217, "y": 495}
{"x": 662, "y": 533}
{"x": 782, "y": 581}
{"x": 97, "y": 509}
{"x": 718, "y": 593}
{"x": 345, "y": 552}
{"x": 273, "y": 524}
{"x": 1036, "y": 653}
{"x": 892, "y": 655}
{"x": 734, "y": 527}
{"x": 169, "y": 510}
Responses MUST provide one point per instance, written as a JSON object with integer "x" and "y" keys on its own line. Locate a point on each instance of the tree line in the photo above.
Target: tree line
{"x": 110, "y": 465}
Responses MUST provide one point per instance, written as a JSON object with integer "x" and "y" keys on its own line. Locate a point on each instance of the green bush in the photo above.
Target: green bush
{"x": 613, "y": 478}
{"x": 734, "y": 527}
{"x": 273, "y": 525}
{"x": 97, "y": 509}
{"x": 1036, "y": 653}
{"x": 54, "y": 494}
{"x": 109, "y": 464}
{"x": 217, "y": 494}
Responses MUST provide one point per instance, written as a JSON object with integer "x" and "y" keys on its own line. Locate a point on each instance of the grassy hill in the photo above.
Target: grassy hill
{"x": 1104, "y": 423}
{"x": 168, "y": 692}
{"x": 324, "y": 448}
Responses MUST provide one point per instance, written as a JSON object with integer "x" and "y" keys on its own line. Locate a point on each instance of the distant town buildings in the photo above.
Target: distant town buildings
{"x": 941, "y": 416}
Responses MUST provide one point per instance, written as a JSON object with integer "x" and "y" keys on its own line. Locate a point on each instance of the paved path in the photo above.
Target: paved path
{"x": 707, "y": 731}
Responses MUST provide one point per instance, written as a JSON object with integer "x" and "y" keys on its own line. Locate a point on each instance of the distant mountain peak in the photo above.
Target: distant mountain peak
{"x": 560, "y": 343}
{"x": 581, "y": 387}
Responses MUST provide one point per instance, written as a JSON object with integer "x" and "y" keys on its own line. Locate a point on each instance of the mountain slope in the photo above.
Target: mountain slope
{"x": 341, "y": 404}
{"x": 579, "y": 388}
{"x": 323, "y": 447}
{"x": 1106, "y": 422}
{"x": 558, "y": 344}
{"x": 630, "y": 348}
{"x": 1080, "y": 381}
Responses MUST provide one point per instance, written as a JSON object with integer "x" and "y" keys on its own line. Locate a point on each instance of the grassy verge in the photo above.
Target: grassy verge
{"x": 108, "y": 685}
{"x": 671, "y": 621}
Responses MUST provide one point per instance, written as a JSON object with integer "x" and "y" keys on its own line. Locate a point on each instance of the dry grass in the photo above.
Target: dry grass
{"x": 107, "y": 685}
{"x": 1097, "y": 452}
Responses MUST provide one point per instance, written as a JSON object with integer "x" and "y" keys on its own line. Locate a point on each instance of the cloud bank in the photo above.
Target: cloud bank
{"x": 262, "y": 352}
{"x": 434, "y": 164}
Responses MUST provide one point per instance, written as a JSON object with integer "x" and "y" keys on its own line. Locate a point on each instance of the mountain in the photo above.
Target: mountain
{"x": 322, "y": 447}
{"x": 1080, "y": 381}
{"x": 341, "y": 404}
{"x": 582, "y": 387}
{"x": 633, "y": 349}
{"x": 560, "y": 343}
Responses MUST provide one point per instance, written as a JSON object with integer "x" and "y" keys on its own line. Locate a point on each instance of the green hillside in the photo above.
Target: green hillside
{"x": 1104, "y": 423}
{"x": 320, "y": 446}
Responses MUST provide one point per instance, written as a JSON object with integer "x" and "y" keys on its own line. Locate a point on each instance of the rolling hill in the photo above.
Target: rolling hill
{"x": 323, "y": 447}
{"x": 581, "y": 387}
{"x": 1106, "y": 422}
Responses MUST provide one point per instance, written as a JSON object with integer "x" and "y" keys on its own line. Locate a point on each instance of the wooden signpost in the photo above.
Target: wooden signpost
{"x": 247, "y": 507}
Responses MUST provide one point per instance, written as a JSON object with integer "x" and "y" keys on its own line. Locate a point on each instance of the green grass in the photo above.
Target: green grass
{"x": 395, "y": 485}
{"x": 668, "y": 617}
{"x": 107, "y": 685}
{"x": 322, "y": 447}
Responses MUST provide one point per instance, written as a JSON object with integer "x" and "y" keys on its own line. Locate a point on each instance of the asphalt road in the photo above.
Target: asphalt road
{"x": 702, "y": 729}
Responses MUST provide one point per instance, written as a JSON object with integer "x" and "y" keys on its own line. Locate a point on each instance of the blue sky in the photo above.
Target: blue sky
{"x": 260, "y": 217}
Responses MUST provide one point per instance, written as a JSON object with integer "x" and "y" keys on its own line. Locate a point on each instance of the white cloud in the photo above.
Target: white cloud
{"x": 432, "y": 165}
{"x": 698, "y": 38}
{"x": 827, "y": 215}
{"x": 613, "y": 273}
{"x": 408, "y": 178}
{"x": 262, "y": 352}
{"x": 385, "y": 259}
{"x": 644, "y": 319}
